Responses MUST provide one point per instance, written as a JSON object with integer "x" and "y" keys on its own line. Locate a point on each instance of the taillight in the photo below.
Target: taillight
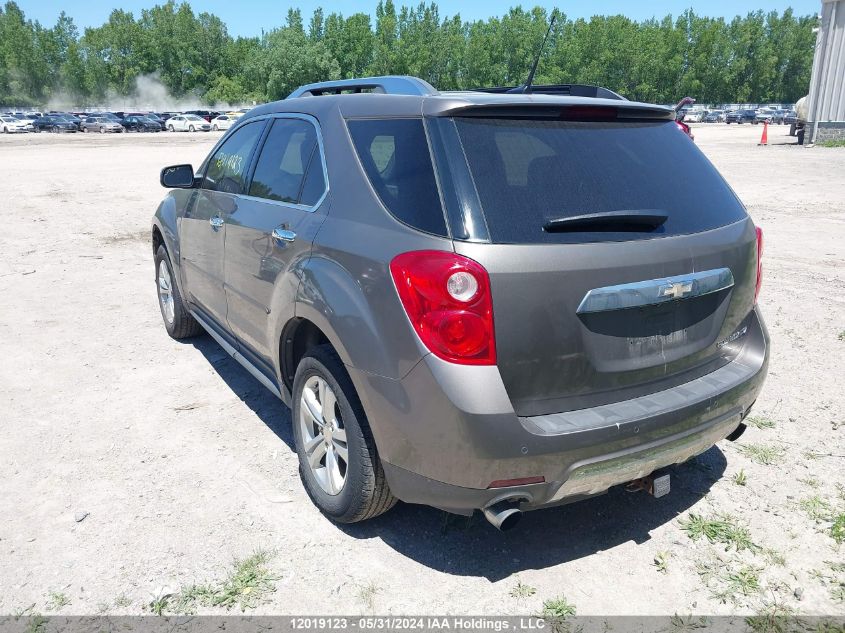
{"x": 759, "y": 262}
{"x": 447, "y": 298}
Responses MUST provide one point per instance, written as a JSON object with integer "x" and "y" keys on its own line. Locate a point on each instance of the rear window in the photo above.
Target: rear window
{"x": 529, "y": 172}
{"x": 395, "y": 156}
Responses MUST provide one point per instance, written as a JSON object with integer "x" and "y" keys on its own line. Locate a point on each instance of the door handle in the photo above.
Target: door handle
{"x": 216, "y": 222}
{"x": 283, "y": 235}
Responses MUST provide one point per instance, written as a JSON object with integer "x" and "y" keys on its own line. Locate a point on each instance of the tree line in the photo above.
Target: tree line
{"x": 761, "y": 57}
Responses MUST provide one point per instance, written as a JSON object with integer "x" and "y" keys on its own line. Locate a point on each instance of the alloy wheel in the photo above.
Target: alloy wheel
{"x": 165, "y": 292}
{"x": 323, "y": 435}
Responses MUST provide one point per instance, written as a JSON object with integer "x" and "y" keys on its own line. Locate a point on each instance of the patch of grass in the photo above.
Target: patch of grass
{"x": 740, "y": 478}
{"x": 774, "y": 557}
{"x": 837, "y": 529}
{"x": 832, "y": 143}
{"x": 760, "y": 422}
{"x": 367, "y": 595}
{"x": 745, "y": 580}
{"x": 764, "y": 454}
{"x": 661, "y": 562}
{"x": 122, "y": 601}
{"x": 811, "y": 454}
{"x": 159, "y": 604}
{"x": 810, "y": 481}
{"x": 37, "y": 624}
{"x": 773, "y": 618}
{"x": 522, "y": 591}
{"x": 816, "y": 507}
{"x": 722, "y": 529}
{"x": 728, "y": 583}
{"x": 841, "y": 336}
{"x": 56, "y": 600}
{"x": 246, "y": 586}
{"x": 558, "y": 608}
{"x": 681, "y": 624}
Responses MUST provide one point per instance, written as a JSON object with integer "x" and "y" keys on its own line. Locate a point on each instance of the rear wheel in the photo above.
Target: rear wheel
{"x": 338, "y": 461}
{"x": 55, "y": 129}
{"x": 190, "y": 128}
{"x": 214, "y": 127}
{"x": 170, "y": 128}
{"x": 177, "y": 320}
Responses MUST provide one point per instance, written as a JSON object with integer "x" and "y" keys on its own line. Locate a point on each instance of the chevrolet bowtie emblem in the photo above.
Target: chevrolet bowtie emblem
{"x": 676, "y": 290}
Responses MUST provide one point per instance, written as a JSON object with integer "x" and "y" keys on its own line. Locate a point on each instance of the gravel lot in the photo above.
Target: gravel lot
{"x": 133, "y": 466}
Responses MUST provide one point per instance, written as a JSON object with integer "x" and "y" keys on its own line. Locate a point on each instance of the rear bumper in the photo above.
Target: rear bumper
{"x": 445, "y": 432}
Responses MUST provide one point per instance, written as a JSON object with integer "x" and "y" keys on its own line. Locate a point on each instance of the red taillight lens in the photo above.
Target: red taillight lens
{"x": 447, "y": 298}
{"x": 759, "y": 263}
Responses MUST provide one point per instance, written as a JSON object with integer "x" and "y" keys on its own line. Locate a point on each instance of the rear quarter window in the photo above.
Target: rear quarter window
{"x": 528, "y": 172}
{"x": 395, "y": 156}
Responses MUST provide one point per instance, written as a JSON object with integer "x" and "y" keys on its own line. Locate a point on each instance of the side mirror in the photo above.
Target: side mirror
{"x": 177, "y": 177}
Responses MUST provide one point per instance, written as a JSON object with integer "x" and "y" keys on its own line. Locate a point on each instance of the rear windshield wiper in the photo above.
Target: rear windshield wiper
{"x": 630, "y": 220}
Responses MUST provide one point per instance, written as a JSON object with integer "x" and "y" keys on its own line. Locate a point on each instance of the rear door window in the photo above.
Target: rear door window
{"x": 529, "y": 172}
{"x": 396, "y": 159}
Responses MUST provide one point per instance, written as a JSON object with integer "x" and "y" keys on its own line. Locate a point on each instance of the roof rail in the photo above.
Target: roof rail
{"x": 571, "y": 90}
{"x": 391, "y": 84}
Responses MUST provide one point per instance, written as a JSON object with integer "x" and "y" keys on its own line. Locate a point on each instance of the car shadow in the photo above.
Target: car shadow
{"x": 470, "y": 546}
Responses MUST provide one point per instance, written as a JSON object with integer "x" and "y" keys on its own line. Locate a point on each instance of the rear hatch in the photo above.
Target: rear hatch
{"x": 620, "y": 261}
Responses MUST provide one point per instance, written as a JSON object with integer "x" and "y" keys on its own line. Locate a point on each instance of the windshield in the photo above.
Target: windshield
{"x": 194, "y": 117}
{"x": 529, "y": 173}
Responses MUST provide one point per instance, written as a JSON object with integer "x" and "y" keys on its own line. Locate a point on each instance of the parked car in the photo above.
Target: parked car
{"x": 741, "y": 116}
{"x": 54, "y": 123}
{"x": 12, "y": 125}
{"x": 205, "y": 114}
{"x": 135, "y": 123}
{"x": 28, "y": 120}
{"x": 223, "y": 122}
{"x": 714, "y": 116}
{"x": 100, "y": 124}
{"x": 693, "y": 116}
{"x": 764, "y": 115}
{"x": 187, "y": 123}
{"x": 504, "y": 346}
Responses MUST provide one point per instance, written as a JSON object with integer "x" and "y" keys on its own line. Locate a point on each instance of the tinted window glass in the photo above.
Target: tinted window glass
{"x": 227, "y": 168}
{"x": 315, "y": 183}
{"x": 283, "y": 160}
{"x": 395, "y": 156}
{"x": 528, "y": 172}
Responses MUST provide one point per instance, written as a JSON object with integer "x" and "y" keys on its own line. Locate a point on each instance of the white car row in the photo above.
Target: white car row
{"x": 11, "y": 125}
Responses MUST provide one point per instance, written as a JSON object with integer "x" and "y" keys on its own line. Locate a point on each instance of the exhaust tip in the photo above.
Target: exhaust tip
{"x": 502, "y": 516}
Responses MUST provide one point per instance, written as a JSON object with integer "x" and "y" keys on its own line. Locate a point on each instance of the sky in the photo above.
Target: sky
{"x": 248, "y": 17}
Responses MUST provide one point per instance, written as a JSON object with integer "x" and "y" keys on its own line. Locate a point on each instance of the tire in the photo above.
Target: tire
{"x": 191, "y": 128}
{"x": 182, "y": 325}
{"x": 364, "y": 493}
{"x": 5, "y": 130}
{"x": 102, "y": 130}
{"x": 170, "y": 128}
{"x": 215, "y": 128}
{"x": 800, "y": 135}
{"x": 55, "y": 129}
{"x": 792, "y": 129}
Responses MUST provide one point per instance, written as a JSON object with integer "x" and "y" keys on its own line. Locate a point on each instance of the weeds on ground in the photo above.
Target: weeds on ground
{"x": 740, "y": 478}
{"x": 833, "y": 579}
{"x": 56, "y": 600}
{"x": 831, "y": 143}
{"x": 559, "y": 608}
{"x": 521, "y": 590}
{"x": 773, "y": 618}
{"x": 841, "y": 336}
{"x": 774, "y": 557}
{"x": 681, "y": 624}
{"x": 661, "y": 562}
{"x": 722, "y": 529}
{"x": 367, "y": 595}
{"x": 810, "y": 481}
{"x": 728, "y": 583}
{"x": 837, "y": 529}
{"x": 246, "y": 586}
{"x": 760, "y": 422}
{"x": 122, "y": 601}
{"x": 764, "y": 454}
{"x": 815, "y": 507}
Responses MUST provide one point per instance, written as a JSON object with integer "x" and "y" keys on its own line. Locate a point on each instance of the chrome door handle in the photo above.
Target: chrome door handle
{"x": 283, "y": 235}
{"x": 216, "y": 222}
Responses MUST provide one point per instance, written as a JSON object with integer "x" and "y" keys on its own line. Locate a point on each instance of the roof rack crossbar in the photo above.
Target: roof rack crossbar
{"x": 391, "y": 84}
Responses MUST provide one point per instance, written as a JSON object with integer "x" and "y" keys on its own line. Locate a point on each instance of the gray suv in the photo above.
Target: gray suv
{"x": 471, "y": 300}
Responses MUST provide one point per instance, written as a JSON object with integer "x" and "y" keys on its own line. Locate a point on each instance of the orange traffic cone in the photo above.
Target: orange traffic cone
{"x": 764, "y": 140}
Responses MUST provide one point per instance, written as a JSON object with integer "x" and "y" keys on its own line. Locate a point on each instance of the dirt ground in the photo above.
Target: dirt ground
{"x": 133, "y": 466}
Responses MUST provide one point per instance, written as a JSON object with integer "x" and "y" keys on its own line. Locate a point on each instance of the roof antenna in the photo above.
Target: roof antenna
{"x": 526, "y": 87}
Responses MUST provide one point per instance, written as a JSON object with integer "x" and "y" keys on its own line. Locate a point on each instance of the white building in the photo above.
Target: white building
{"x": 826, "y": 103}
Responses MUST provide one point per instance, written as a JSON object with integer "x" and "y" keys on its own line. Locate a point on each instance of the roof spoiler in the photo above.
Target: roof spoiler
{"x": 565, "y": 90}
